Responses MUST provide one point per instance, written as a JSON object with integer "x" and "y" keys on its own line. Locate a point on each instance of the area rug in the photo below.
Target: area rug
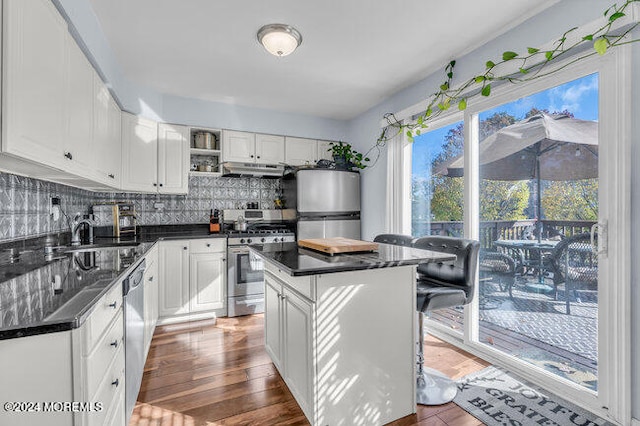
{"x": 497, "y": 398}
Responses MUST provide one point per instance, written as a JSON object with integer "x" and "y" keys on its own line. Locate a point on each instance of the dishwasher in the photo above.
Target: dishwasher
{"x": 133, "y": 292}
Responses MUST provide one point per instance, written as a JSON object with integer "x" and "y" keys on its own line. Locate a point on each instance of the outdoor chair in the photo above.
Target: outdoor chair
{"x": 498, "y": 267}
{"x": 576, "y": 265}
{"x": 442, "y": 285}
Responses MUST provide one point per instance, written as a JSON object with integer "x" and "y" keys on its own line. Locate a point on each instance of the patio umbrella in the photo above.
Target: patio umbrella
{"x": 543, "y": 147}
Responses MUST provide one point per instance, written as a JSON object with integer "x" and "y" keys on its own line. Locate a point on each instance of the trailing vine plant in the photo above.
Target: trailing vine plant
{"x": 531, "y": 65}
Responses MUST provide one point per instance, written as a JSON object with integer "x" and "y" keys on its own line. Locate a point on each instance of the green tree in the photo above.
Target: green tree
{"x": 572, "y": 200}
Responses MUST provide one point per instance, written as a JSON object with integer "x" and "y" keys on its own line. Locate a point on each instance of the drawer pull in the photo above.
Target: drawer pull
{"x": 113, "y": 305}
{"x": 184, "y": 248}
{"x": 116, "y": 382}
{"x": 151, "y": 278}
{"x": 114, "y": 344}
{"x": 208, "y": 245}
{"x": 68, "y": 155}
{"x": 112, "y": 176}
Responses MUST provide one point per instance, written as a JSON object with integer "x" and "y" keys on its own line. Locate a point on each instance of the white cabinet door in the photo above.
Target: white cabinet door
{"x": 269, "y": 149}
{"x": 238, "y": 146}
{"x": 150, "y": 295}
{"x": 34, "y": 82}
{"x": 139, "y": 154}
{"x": 174, "y": 280}
{"x": 273, "y": 320}
{"x": 324, "y": 152}
{"x": 106, "y": 136}
{"x": 78, "y": 146}
{"x": 173, "y": 159}
{"x": 207, "y": 281}
{"x": 298, "y": 348}
{"x": 300, "y": 152}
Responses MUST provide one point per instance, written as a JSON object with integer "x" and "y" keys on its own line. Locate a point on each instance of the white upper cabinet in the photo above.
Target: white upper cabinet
{"x": 238, "y": 146}
{"x": 252, "y": 148}
{"x": 34, "y": 81}
{"x": 324, "y": 152}
{"x": 139, "y": 154}
{"x": 106, "y": 136}
{"x": 300, "y": 151}
{"x": 173, "y": 159}
{"x": 78, "y": 145}
{"x": 269, "y": 149}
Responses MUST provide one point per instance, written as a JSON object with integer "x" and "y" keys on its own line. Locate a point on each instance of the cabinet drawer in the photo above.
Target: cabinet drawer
{"x": 304, "y": 285}
{"x": 103, "y": 354}
{"x": 208, "y": 245}
{"x": 111, "y": 388}
{"x": 106, "y": 310}
{"x": 117, "y": 416}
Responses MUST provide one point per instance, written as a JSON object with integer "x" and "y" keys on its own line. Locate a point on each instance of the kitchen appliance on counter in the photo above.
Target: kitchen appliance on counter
{"x": 326, "y": 202}
{"x": 115, "y": 220}
{"x": 134, "y": 354}
{"x": 245, "y": 278}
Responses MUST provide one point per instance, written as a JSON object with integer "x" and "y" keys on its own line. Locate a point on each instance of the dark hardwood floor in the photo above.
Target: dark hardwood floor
{"x": 201, "y": 373}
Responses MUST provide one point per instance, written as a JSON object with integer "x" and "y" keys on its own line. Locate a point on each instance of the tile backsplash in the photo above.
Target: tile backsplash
{"x": 24, "y": 202}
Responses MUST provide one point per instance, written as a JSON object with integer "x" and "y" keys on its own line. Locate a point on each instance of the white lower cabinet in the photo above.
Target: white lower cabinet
{"x": 84, "y": 365}
{"x": 289, "y": 339}
{"x": 192, "y": 279}
{"x": 150, "y": 295}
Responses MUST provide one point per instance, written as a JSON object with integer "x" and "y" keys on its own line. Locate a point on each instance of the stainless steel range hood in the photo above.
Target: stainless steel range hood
{"x": 230, "y": 168}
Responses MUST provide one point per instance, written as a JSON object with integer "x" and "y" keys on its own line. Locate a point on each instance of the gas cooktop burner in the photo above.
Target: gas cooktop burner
{"x": 257, "y": 232}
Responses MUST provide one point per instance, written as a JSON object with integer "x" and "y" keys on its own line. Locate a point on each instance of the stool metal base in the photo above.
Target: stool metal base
{"x": 434, "y": 388}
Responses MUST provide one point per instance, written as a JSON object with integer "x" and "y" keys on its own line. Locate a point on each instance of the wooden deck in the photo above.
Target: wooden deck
{"x": 202, "y": 373}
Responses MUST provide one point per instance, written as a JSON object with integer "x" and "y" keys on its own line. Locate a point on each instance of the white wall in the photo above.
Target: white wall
{"x": 141, "y": 100}
{"x": 537, "y": 31}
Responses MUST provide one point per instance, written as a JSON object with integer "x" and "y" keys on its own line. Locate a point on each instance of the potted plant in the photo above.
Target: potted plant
{"x": 347, "y": 158}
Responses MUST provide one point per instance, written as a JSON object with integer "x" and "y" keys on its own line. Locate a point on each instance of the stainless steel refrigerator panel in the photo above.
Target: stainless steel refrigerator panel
{"x": 310, "y": 229}
{"x": 342, "y": 228}
{"x": 329, "y": 191}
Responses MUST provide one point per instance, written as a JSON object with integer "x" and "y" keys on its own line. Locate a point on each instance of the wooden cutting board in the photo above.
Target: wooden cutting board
{"x": 338, "y": 245}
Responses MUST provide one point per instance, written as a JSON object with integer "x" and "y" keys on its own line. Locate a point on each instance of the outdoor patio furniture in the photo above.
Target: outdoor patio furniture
{"x": 442, "y": 285}
{"x": 533, "y": 256}
{"x": 576, "y": 265}
{"x": 497, "y": 267}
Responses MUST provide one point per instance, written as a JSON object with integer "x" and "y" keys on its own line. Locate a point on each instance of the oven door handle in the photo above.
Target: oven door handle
{"x": 238, "y": 250}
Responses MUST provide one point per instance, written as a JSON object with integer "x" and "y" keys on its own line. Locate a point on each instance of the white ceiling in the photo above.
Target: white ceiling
{"x": 354, "y": 53}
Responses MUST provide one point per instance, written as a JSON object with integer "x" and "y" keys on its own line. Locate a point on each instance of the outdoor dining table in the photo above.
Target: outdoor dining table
{"x": 530, "y": 247}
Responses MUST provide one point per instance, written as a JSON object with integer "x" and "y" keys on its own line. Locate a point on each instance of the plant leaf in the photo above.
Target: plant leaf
{"x": 549, "y": 55}
{"x": 462, "y": 105}
{"x": 450, "y": 74}
{"x": 444, "y": 86}
{"x": 409, "y": 134}
{"x": 508, "y": 55}
{"x": 490, "y": 64}
{"x": 588, "y": 37}
{"x": 523, "y": 71}
{"x": 486, "y": 90}
{"x": 615, "y": 16}
{"x": 420, "y": 120}
{"x": 441, "y": 106}
{"x": 480, "y": 78}
{"x": 532, "y": 50}
{"x": 418, "y": 132}
{"x": 600, "y": 45}
{"x": 428, "y": 112}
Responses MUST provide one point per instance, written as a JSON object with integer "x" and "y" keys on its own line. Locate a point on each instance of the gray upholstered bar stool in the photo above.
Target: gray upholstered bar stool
{"x": 442, "y": 285}
{"x": 396, "y": 239}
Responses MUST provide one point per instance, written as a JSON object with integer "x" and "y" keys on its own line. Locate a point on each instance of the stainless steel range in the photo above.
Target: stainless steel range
{"x": 245, "y": 279}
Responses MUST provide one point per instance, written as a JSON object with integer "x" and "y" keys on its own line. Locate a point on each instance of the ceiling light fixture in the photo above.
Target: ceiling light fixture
{"x": 279, "y": 39}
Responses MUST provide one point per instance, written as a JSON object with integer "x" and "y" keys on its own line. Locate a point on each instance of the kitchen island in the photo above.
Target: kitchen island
{"x": 341, "y": 329}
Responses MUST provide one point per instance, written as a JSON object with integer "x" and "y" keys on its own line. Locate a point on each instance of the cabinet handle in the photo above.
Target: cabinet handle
{"x": 112, "y": 176}
{"x": 184, "y": 248}
{"x": 151, "y": 278}
{"x": 113, "y": 305}
{"x": 258, "y": 156}
{"x": 208, "y": 245}
{"x": 116, "y": 382}
{"x": 114, "y": 344}
{"x": 161, "y": 185}
{"x": 68, "y": 155}
{"x": 155, "y": 184}
{"x": 251, "y": 156}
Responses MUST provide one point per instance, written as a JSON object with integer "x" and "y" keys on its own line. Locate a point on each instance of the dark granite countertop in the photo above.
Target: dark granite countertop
{"x": 297, "y": 261}
{"x": 37, "y": 290}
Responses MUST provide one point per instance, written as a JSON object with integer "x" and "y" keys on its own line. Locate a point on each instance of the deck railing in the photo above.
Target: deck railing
{"x": 491, "y": 231}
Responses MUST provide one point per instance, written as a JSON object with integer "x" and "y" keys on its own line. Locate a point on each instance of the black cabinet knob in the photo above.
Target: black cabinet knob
{"x": 113, "y": 305}
{"x": 68, "y": 155}
{"x": 116, "y": 382}
{"x": 114, "y": 344}
{"x": 112, "y": 176}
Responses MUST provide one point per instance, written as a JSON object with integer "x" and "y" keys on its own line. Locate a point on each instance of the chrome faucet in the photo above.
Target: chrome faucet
{"x": 75, "y": 229}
